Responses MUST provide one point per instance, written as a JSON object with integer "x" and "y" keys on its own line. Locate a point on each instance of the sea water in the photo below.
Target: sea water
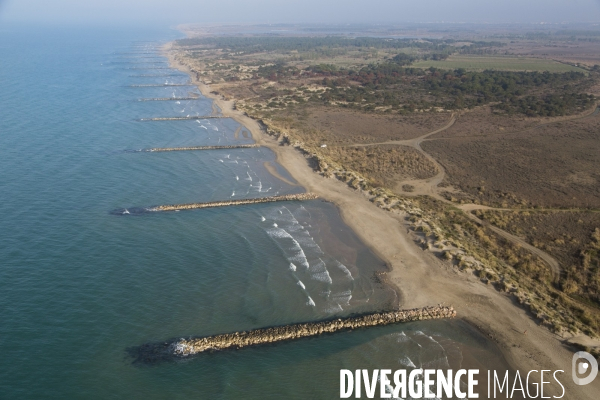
{"x": 81, "y": 287}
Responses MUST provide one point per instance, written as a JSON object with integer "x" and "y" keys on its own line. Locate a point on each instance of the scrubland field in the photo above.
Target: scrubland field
{"x": 487, "y": 142}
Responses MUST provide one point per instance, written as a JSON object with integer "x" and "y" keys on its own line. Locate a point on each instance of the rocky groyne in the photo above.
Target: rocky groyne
{"x": 180, "y": 118}
{"x": 226, "y": 203}
{"x": 168, "y": 98}
{"x": 134, "y": 53}
{"x": 152, "y": 75}
{"x": 163, "y": 85}
{"x": 211, "y": 204}
{"x": 149, "y": 68}
{"x": 241, "y": 146}
{"x": 147, "y": 63}
{"x": 164, "y": 351}
{"x": 239, "y": 340}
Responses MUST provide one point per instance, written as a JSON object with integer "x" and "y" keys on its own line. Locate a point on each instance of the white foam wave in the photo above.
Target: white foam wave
{"x": 319, "y": 272}
{"x": 322, "y": 277}
{"x": 310, "y": 302}
{"x": 401, "y": 337}
{"x": 299, "y": 283}
{"x": 334, "y": 309}
{"x": 407, "y": 362}
{"x": 292, "y": 267}
{"x": 343, "y": 297}
{"x": 345, "y": 270}
{"x": 299, "y": 255}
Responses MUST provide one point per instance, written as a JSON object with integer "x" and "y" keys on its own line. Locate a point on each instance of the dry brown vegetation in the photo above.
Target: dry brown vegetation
{"x": 512, "y": 269}
{"x": 490, "y": 158}
{"x": 482, "y": 122}
{"x": 342, "y": 126}
{"x": 509, "y": 268}
{"x": 572, "y": 237}
{"x": 554, "y": 165}
{"x": 339, "y": 129}
{"x": 383, "y": 165}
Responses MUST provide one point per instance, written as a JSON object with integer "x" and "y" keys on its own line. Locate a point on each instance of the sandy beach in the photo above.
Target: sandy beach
{"x": 421, "y": 278}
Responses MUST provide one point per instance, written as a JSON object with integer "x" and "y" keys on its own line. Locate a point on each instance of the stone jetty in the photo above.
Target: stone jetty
{"x": 181, "y": 118}
{"x": 149, "y": 68}
{"x": 163, "y": 85}
{"x": 238, "y": 340}
{"x": 136, "y": 211}
{"x": 152, "y": 75}
{"x": 210, "y": 204}
{"x": 133, "y": 53}
{"x": 168, "y": 98}
{"x": 241, "y": 146}
{"x": 147, "y": 63}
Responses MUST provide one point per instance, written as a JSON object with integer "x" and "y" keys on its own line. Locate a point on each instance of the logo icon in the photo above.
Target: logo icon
{"x": 582, "y": 363}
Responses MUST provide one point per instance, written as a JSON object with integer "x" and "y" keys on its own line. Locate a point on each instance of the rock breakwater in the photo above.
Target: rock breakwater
{"x": 151, "y": 75}
{"x": 162, "y": 85}
{"x": 211, "y": 204}
{"x": 237, "y": 340}
{"x": 269, "y": 199}
{"x": 148, "y": 68}
{"x": 241, "y": 146}
{"x": 180, "y": 118}
{"x": 168, "y": 98}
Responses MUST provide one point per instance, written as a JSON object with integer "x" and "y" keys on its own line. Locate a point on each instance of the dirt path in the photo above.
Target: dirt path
{"x": 415, "y": 142}
{"x": 430, "y": 187}
{"x": 427, "y": 186}
{"x": 473, "y": 207}
{"x": 421, "y": 278}
{"x": 594, "y": 112}
{"x": 548, "y": 259}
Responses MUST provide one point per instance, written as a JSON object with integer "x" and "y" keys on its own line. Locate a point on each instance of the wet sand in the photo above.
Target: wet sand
{"x": 273, "y": 171}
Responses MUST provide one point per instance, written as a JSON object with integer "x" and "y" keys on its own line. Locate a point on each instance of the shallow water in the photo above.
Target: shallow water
{"x": 79, "y": 286}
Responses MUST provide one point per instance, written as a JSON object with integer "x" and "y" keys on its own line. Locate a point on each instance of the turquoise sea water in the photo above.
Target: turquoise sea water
{"x": 79, "y": 286}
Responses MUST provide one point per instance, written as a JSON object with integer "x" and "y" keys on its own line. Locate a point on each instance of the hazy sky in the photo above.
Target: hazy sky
{"x": 339, "y": 11}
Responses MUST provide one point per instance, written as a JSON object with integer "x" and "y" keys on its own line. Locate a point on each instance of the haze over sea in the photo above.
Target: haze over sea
{"x": 79, "y": 286}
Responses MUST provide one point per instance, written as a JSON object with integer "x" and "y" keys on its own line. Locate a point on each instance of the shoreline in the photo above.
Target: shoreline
{"x": 420, "y": 278}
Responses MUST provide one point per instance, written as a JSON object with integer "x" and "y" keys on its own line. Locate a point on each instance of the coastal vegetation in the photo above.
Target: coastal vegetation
{"x": 498, "y": 63}
{"x": 386, "y": 75}
{"x": 423, "y": 127}
{"x": 571, "y": 237}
